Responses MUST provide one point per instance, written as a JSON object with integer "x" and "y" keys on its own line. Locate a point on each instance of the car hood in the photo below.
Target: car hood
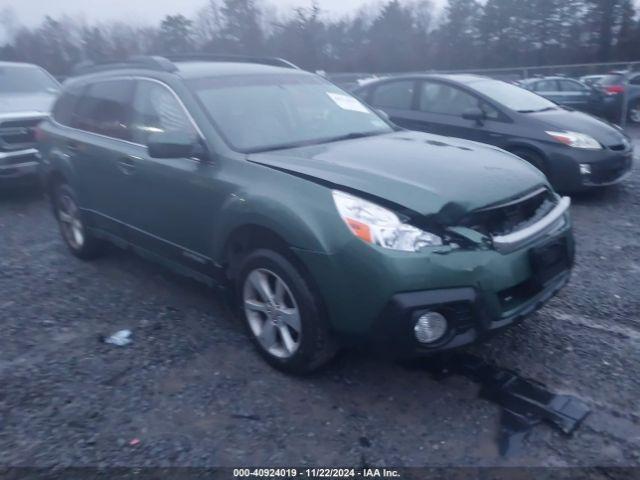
{"x": 428, "y": 174}
{"x": 562, "y": 119}
{"x": 20, "y": 103}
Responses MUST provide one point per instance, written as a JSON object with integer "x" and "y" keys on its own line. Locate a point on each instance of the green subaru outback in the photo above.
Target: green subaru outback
{"x": 331, "y": 225}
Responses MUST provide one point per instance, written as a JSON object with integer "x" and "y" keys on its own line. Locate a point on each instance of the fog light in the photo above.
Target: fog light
{"x": 585, "y": 169}
{"x": 430, "y": 327}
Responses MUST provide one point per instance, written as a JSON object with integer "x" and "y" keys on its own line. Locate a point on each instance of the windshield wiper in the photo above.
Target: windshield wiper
{"x": 545, "y": 109}
{"x": 285, "y": 146}
{"x": 352, "y": 136}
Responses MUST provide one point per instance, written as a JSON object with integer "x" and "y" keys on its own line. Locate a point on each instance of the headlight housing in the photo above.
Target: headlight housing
{"x": 379, "y": 226}
{"x": 576, "y": 140}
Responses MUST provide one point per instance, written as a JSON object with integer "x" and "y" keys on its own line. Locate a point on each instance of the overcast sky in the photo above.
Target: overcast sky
{"x": 143, "y": 11}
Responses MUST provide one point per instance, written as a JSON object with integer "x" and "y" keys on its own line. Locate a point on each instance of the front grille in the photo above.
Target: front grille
{"x": 18, "y": 134}
{"x": 513, "y": 216}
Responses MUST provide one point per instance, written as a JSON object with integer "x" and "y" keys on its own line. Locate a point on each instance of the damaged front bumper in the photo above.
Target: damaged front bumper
{"x": 471, "y": 314}
{"x": 378, "y": 296}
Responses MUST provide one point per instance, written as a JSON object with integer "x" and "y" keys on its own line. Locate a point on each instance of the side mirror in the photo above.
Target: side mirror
{"x": 475, "y": 114}
{"x": 173, "y": 145}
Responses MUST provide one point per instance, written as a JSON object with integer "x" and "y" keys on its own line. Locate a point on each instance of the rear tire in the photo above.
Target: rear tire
{"x": 72, "y": 224}
{"x": 284, "y": 317}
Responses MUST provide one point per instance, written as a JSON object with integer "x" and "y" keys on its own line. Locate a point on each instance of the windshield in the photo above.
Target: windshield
{"x": 26, "y": 79}
{"x": 268, "y": 112}
{"x": 513, "y": 97}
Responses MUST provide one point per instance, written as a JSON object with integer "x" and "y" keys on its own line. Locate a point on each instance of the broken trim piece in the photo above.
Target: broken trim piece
{"x": 513, "y": 241}
{"x": 525, "y": 403}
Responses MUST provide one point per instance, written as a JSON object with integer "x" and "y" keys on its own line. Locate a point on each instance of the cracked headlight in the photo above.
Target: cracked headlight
{"x": 576, "y": 140}
{"x": 379, "y": 226}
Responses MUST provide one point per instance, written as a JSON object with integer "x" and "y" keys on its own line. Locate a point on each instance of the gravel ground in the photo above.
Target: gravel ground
{"x": 193, "y": 392}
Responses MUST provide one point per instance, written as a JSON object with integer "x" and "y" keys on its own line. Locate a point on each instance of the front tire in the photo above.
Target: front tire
{"x": 533, "y": 158}
{"x": 283, "y": 316}
{"x": 72, "y": 225}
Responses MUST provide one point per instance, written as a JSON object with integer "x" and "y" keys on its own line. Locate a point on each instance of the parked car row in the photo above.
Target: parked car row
{"x": 575, "y": 150}
{"x": 330, "y": 224}
{"x": 601, "y": 95}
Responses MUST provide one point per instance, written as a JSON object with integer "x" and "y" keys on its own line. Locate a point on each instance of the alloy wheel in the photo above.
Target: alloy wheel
{"x": 272, "y": 313}
{"x": 634, "y": 113}
{"x": 69, "y": 216}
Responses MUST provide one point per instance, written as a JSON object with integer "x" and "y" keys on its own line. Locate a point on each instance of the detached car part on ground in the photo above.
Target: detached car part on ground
{"x": 575, "y": 150}
{"x": 332, "y": 226}
{"x": 26, "y": 95}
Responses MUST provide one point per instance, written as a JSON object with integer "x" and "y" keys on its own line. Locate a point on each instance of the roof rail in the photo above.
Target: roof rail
{"x": 160, "y": 64}
{"x": 215, "y": 57}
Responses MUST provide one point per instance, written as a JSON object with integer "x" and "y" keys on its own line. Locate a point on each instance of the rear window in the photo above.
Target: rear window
{"x": 613, "y": 79}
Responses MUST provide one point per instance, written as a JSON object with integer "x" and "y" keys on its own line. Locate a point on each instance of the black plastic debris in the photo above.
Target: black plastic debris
{"x": 525, "y": 403}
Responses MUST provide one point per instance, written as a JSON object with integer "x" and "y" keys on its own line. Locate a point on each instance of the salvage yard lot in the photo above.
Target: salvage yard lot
{"x": 193, "y": 392}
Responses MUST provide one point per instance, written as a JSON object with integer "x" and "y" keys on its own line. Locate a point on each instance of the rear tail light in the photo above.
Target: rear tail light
{"x": 614, "y": 89}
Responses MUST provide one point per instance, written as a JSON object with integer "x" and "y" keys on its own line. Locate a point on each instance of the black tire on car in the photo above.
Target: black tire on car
{"x": 72, "y": 225}
{"x": 532, "y": 157}
{"x": 283, "y": 316}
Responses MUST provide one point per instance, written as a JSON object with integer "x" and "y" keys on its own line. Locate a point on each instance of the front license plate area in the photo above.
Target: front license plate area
{"x": 549, "y": 260}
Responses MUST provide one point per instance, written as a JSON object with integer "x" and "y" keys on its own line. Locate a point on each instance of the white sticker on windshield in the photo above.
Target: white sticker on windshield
{"x": 347, "y": 103}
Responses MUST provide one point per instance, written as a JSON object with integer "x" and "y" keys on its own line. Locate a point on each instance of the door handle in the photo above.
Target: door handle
{"x": 127, "y": 165}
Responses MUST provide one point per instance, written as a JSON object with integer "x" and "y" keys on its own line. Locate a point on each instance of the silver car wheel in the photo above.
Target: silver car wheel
{"x": 272, "y": 313}
{"x": 70, "y": 222}
{"x": 634, "y": 114}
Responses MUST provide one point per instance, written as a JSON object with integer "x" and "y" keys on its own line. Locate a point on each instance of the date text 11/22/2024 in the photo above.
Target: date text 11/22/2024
{"x": 315, "y": 473}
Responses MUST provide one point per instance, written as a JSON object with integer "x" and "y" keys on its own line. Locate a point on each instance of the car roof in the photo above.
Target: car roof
{"x": 186, "y": 70}
{"x": 550, "y": 77}
{"x": 465, "y": 78}
{"x": 200, "y": 69}
{"x": 452, "y": 77}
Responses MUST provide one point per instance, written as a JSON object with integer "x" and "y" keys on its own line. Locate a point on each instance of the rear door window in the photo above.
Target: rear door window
{"x": 398, "y": 95}
{"x": 105, "y": 109}
{"x": 444, "y": 99}
{"x": 157, "y": 110}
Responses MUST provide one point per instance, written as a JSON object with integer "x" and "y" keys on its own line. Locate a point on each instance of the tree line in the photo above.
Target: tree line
{"x": 388, "y": 36}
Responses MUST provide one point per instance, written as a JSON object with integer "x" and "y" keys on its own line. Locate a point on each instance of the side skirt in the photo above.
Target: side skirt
{"x": 213, "y": 276}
